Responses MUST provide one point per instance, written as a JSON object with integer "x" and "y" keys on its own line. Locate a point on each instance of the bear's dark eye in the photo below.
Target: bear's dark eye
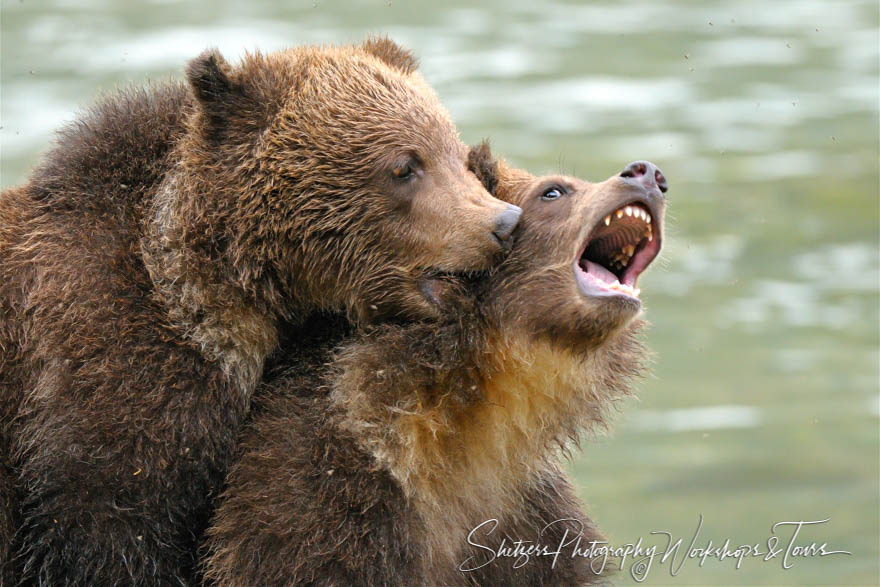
{"x": 553, "y": 193}
{"x": 403, "y": 172}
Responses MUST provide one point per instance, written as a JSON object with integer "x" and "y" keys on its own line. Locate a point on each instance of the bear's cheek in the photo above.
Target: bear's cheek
{"x": 426, "y": 240}
{"x": 454, "y": 224}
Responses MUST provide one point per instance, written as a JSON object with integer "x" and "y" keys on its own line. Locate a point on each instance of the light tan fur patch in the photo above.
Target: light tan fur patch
{"x": 462, "y": 464}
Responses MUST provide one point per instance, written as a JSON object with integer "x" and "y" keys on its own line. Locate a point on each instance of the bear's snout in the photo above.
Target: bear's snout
{"x": 506, "y": 222}
{"x": 646, "y": 174}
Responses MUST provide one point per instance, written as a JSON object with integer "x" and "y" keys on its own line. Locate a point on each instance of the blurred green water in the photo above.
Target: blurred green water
{"x": 764, "y": 402}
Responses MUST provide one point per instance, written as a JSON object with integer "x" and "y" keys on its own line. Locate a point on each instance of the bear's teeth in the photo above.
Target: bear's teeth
{"x": 632, "y": 211}
{"x": 624, "y": 288}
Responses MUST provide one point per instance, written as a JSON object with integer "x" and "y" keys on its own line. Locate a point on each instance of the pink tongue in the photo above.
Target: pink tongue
{"x": 598, "y": 271}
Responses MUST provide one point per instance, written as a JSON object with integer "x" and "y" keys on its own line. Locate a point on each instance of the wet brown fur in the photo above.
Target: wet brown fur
{"x": 148, "y": 264}
{"x": 374, "y": 469}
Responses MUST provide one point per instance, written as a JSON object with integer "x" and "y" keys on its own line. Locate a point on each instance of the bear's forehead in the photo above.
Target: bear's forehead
{"x": 341, "y": 70}
{"x": 351, "y": 100}
{"x": 361, "y": 92}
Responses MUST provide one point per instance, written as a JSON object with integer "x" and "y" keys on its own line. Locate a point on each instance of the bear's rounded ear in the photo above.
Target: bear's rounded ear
{"x": 482, "y": 163}
{"x": 391, "y": 53}
{"x": 209, "y": 76}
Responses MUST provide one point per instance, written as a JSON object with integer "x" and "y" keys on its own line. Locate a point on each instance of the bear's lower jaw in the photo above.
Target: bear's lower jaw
{"x": 595, "y": 280}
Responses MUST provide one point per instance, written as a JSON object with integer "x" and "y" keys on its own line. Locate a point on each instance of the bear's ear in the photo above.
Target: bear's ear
{"x": 209, "y": 77}
{"x": 482, "y": 163}
{"x": 391, "y": 53}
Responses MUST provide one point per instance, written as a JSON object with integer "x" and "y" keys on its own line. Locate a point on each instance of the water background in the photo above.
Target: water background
{"x": 763, "y": 405}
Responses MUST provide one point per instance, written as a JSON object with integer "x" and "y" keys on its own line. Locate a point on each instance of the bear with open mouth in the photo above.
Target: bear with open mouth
{"x": 419, "y": 450}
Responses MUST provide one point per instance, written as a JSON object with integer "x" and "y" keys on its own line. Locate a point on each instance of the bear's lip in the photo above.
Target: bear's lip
{"x": 619, "y": 248}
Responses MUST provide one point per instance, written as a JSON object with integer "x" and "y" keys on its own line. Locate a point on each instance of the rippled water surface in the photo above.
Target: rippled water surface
{"x": 764, "y": 402}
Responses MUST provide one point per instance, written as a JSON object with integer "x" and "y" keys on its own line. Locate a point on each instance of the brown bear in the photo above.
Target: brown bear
{"x": 150, "y": 262}
{"x": 424, "y": 451}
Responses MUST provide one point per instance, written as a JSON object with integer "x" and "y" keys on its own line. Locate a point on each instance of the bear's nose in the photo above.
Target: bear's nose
{"x": 647, "y": 174}
{"x": 506, "y": 222}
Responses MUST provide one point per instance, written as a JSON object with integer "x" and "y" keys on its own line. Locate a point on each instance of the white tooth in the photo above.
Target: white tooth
{"x": 650, "y": 237}
{"x": 620, "y": 213}
{"x": 636, "y": 292}
{"x": 608, "y": 220}
{"x": 629, "y": 211}
{"x": 616, "y": 283}
{"x": 641, "y": 213}
{"x": 648, "y": 219}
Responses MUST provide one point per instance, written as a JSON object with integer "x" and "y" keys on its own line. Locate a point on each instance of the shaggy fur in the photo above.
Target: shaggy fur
{"x": 374, "y": 469}
{"x": 148, "y": 264}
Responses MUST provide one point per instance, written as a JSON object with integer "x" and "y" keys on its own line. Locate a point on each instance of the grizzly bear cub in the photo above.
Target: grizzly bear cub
{"x": 149, "y": 263}
{"x": 423, "y": 449}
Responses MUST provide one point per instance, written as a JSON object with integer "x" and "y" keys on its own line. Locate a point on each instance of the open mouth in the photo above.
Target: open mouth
{"x": 619, "y": 249}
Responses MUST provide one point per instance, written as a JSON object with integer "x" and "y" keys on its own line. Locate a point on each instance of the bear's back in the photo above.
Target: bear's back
{"x": 82, "y": 206}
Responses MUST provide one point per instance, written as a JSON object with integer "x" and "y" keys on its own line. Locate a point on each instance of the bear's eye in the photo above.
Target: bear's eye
{"x": 553, "y": 193}
{"x": 403, "y": 172}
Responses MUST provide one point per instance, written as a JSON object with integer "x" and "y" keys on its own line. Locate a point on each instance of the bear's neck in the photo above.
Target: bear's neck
{"x": 464, "y": 463}
{"x": 204, "y": 301}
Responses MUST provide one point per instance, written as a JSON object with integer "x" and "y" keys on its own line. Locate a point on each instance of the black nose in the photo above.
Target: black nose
{"x": 647, "y": 174}
{"x": 506, "y": 222}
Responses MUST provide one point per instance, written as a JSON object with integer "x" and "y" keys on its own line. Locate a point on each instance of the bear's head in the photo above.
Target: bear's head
{"x": 322, "y": 178}
{"x": 580, "y": 248}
